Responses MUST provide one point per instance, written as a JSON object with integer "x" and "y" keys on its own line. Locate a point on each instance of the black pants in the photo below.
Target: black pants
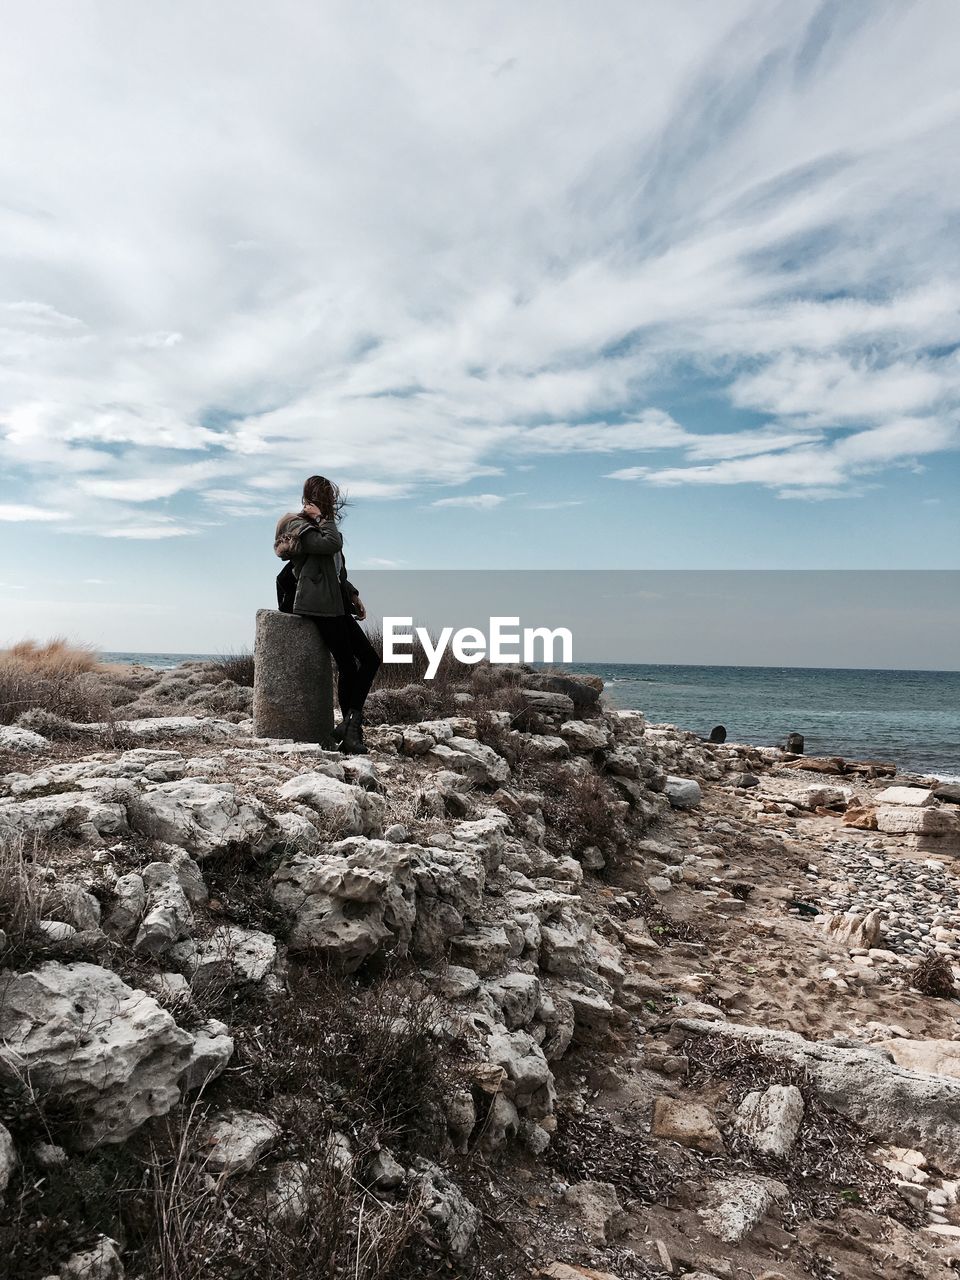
{"x": 357, "y": 660}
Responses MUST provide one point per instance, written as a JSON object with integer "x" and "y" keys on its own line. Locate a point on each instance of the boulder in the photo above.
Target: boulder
{"x": 77, "y": 1030}
{"x": 349, "y": 810}
{"x": 102, "y": 1262}
{"x": 823, "y": 797}
{"x": 234, "y": 955}
{"x": 293, "y": 681}
{"x": 901, "y": 819}
{"x": 168, "y": 916}
{"x": 583, "y": 691}
{"x": 202, "y": 817}
{"x": 8, "y": 1159}
{"x": 933, "y": 1057}
{"x": 855, "y": 930}
{"x": 473, "y": 759}
{"x": 683, "y": 793}
{"x": 770, "y": 1120}
{"x": 449, "y": 1220}
{"x": 890, "y": 1102}
{"x": 584, "y": 736}
{"x": 15, "y": 738}
{"x": 354, "y": 900}
{"x": 913, "y": 797}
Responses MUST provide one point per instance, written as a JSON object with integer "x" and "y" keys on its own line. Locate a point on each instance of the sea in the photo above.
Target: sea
{"x": 911, "y": 718}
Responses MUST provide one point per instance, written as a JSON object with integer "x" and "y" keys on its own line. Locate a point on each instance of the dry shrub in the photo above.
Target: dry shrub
{"x": 179, "y": 1221}
{"x": 375, "y": 1053}
{"x": 933, "y": 976}
{"x": 237, "y": 667}
{"x": 394, "y": 675}
{"x": 71, "y": 695}
{"x": 578, "y": 808}
{"x": 58, "y": 657}
{"x": 21, "y": 894}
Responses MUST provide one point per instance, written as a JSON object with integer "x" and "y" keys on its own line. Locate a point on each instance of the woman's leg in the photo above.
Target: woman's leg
{"x": 339, "y": 640}
{"x": 368, "y": 663}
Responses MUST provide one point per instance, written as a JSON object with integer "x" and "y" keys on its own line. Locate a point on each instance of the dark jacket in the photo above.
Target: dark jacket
{"x": 312, "y": 548}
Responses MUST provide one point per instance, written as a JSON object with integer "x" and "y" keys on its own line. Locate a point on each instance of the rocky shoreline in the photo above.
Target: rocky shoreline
{"x": 635, "y": 1004}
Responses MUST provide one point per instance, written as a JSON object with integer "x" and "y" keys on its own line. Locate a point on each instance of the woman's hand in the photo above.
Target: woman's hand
{"x": 312, "y": 510}
{"x": 359, "y": 609}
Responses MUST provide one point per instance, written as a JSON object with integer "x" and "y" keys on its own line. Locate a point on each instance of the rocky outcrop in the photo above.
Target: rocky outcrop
{"x": 78, "y": 1031}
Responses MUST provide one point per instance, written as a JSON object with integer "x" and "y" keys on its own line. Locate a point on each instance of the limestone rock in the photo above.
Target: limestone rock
{"x": 599, "y": 1209}
{"x": 80, "y": 1031}
{"x": 914, "y": 797}
{"x": 202, "y": 817}
{"x": 234, "y": 1141}
{"x": 15, "y": 738}
{"x": 351, "y": 902}
{"x": 683, "y": 793}
{"x": 473, "y": 759}
{"x": 234, "y": 955}
{"x": 691, "y": 1124}
{"x": 770, "y": 1120}
{"x": 855, "y": 930}
{"x": 517, "y": 996}
{"x": 168, "y": 916}
{"x": 349, "y": 810}
{"x": 890, "y": 1102}
{"x": 901, "y": 819}
{"x": 450, "y": 1220}
{"x": 282, "y": 1191}
{"x": 823, "y": 797}
{"x": 102, "y": 1262}
{"x": 933, "y": 1057}
{"x": 739, "y": 1204}
{"x": 8, "y": 1159}
{"x": 585, "y": 736}
{"x": 128, "y": 909}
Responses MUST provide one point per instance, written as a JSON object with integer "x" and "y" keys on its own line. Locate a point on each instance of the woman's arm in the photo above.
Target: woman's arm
{"x": 326, "y": 540}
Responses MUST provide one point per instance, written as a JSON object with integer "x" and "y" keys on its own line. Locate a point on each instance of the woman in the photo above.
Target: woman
{"x": 313, "y": 544}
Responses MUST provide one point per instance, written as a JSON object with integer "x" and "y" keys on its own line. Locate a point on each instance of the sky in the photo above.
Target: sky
{"x": 657, "y": 285}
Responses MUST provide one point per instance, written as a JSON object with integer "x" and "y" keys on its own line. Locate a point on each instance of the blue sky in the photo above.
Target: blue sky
{"x": 677, "y": 289}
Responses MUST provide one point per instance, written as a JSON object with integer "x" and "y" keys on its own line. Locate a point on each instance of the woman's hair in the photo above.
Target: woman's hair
{"x": 323, "y": 493}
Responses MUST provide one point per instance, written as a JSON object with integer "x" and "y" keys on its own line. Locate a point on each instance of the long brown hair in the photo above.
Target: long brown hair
{"x": 323, "y": 493}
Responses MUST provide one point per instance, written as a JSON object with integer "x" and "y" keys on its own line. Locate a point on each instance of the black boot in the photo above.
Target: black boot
{"x": 336, "y": 733}
{"x": 352, "y": 743}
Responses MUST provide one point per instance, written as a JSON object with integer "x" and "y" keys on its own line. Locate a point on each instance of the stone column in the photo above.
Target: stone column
{"x": 292, "y": 681}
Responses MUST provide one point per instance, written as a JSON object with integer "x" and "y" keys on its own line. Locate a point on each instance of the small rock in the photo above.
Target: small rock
{"x": 691, "y": 1124}
{"x": 599, "y": 1209}
{"x": 771, "y": 1120}
{"x": 235, "y": 1140}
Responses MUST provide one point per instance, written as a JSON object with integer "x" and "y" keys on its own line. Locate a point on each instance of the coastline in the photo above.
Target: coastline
{"x": 592, "y": 903}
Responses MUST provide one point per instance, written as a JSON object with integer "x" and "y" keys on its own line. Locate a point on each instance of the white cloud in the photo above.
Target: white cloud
{"x": 473, "y": 501}
{"x": 17, "y": 511}
{"x": 488, "y": 235}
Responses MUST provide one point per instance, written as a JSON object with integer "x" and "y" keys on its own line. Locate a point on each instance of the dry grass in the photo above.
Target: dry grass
{"x": 21, "y": 895}
{"x": 237, "y": 667}
{"x": 58, "y": 657}
{"x": 366, "y": 1061}
{"x": 578, "y": 808}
